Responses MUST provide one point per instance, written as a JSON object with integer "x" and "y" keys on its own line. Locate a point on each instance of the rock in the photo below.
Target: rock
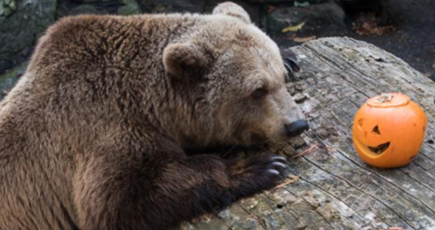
{"x": 100, "y": 7}
{"x": 91, "y": 1}
{"x": 295, "y": 2}
{"x": 169, "y": 6}
{"x": 19, "y": 30}
{"x": 7, "y": 7}
{"x": 316, "y": 17}
{"x": 287, "y": 16}
{"x": 131, "y": 7}
{"x": 121, "y": 7}
{"x": 84, "y": 9}
{"x": 9, "y": 79}
{"x": 283, "y": 17}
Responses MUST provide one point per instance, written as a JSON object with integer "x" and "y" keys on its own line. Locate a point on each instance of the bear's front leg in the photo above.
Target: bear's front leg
{"x": 158, "y": 188}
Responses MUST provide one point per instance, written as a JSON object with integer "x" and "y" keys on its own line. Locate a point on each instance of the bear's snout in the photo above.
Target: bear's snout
{"x": 296, "y": 128}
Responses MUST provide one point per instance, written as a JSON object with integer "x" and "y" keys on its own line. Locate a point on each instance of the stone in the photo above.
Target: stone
{"x": 84, "y": 9}
{"x": 7, "y": 7}
{"x": 283, "y": 17}
{"x": 121, "y": 7}
{"x": 130, "y": 7}
{"x": 288, "y": 1}
{"x": 91, "y": 1}
{"x": 23, "y": 25}
{"x": 9, "y": 79}
{"x": 68, "y": 8}
{"x": 170, "y": 6}
{"x": 326, "y": 16}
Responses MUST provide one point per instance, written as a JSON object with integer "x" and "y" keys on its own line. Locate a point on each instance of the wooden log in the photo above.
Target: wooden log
{"x": 328, "y": 186}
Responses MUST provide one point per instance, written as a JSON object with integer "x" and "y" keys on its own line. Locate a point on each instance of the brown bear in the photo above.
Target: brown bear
{"x": 94, "y": 134}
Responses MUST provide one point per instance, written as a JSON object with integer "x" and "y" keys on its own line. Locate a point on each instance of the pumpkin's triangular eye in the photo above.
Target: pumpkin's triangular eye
{"x": 376, "y": 130}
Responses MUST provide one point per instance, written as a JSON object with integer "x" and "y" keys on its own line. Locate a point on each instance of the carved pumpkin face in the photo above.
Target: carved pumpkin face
{"x": 388, "y": 130}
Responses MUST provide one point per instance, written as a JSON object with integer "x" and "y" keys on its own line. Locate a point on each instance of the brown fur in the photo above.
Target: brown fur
{"x": 92, "y": 137}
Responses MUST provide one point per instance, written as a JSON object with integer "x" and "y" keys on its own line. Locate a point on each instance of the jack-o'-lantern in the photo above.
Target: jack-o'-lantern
{"x": 388, "y": 130}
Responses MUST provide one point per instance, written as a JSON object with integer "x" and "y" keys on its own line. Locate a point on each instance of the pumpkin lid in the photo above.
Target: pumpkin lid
{"x": 387, "y": 100}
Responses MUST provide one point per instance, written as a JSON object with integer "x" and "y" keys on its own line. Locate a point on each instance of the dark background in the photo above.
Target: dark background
{"x": 405, "y": 28}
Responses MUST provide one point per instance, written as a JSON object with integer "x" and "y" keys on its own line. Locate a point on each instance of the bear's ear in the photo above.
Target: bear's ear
{"x": 232, "y": 9}
{"x": 182, "y": 59}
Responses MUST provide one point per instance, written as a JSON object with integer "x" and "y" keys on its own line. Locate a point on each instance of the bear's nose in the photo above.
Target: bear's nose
{"x": 296, "y": 128}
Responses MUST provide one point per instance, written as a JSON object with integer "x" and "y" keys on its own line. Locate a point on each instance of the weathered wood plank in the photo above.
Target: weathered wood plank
{"x": 329, "y": 187}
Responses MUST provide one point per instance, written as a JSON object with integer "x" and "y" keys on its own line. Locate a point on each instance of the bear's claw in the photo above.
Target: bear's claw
{"x": 273, "y": 171}
{"x": 290, "y": 62}
{"x": 279, "y": 164}
{"x": 257, "y": 173}
{"x": 288, "y": 68}
{"x": 279, "y": 158}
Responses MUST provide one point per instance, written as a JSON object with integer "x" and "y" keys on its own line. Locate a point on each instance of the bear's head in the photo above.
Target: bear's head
{"x": 229, "y": 77}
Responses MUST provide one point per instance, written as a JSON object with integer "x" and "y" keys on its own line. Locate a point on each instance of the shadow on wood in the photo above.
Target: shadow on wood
{"x": 328, "y": 186}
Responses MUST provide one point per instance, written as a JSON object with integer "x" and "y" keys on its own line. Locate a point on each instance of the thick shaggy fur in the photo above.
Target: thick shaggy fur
{"x": 93, "y": 135}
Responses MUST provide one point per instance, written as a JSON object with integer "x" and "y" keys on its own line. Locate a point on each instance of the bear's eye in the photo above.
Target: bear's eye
{"x": 259, "y": 93}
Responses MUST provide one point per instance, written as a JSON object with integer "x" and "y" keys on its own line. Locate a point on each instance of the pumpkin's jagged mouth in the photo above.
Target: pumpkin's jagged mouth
{"x": 380, "y": 148}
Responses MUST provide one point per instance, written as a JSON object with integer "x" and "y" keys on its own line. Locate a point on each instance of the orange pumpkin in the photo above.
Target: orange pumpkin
{"x": 388, "y": 130}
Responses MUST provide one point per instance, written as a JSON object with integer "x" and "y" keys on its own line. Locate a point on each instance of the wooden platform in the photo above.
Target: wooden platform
{"x": 328, "y": 186}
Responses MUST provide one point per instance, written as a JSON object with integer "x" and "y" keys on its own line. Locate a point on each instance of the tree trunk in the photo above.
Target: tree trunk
{"x": 328, "y": 186}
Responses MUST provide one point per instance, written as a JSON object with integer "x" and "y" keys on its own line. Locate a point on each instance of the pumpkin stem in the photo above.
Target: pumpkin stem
{"x": 385, "y": 97}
